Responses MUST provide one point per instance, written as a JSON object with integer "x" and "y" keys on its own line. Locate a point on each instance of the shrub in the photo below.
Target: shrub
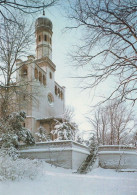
{"x": 12, "y": 132}
{"x": 14, "y": 168}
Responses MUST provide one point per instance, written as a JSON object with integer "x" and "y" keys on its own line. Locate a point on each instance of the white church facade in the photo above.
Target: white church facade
{"x": 48, "y": 97}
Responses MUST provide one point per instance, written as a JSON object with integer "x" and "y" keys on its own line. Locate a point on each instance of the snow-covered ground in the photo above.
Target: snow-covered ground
{"x": 59, "y": 181}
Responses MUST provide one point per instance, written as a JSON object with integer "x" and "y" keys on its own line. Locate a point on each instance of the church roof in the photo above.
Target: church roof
{"x": 43, "y": 22}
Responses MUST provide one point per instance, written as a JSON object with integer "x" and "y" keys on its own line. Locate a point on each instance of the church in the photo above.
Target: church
{"x": 48, "y": 101}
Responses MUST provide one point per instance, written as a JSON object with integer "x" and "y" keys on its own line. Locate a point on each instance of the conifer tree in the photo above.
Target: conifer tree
{"x": 12, "y": 132}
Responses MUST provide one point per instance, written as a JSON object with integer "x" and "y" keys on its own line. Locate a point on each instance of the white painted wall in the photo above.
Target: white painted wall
{"x": 67, "y": 154}
{"x": 117, "y": 157}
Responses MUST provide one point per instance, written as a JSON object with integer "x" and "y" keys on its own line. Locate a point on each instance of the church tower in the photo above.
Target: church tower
{"x": 47, "y": 100}
{"x": 43, "y": 33}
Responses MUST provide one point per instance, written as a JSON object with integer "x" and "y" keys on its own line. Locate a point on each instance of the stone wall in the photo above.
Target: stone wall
{"x": 117, "y": 157}
{"x": 67, "y": 154}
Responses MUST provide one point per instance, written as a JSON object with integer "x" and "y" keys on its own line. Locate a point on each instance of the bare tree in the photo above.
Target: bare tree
{"x": 25, "y": 6}
{"x": 100, "y": 125}
{"x": 113, "y": 124}
{"x": 109, "y": 44}
{"x": 14, "y": 43}
{"x": 69, "y": 113}
{"x": 121, "y": 122}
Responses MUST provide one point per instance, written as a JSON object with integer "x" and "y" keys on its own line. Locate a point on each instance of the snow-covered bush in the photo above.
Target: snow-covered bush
{"x": 79, "y": 140}
{"x": 42, "y": 135}
{"x": 64, "y": 130}
{"x": 17, "y": 169}
{"x": 91, "y": 142}
{"x": 12, "y": 132}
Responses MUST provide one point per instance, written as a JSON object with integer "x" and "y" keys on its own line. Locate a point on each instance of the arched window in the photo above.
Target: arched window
{"x": 50, "y": 40}
{"x": 39, "y": 38}
{"x": 40, "y": 77}
{"x": 50, "y": 75}
{"x": 50, "y": 99}
{"x": 24, "y": 71}
{"x": 36, "y": 73}
{"x": 56, "y": 90}
{"x": 61, "y": 95}
{"x": 24, "y": 97}
{"x": 45, "y": 37}
{"x": 44, "y": 80}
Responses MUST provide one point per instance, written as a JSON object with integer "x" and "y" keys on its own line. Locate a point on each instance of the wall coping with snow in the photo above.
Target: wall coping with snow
{"x": 118, "y": 157}
{"x": 67, "y": 154}
{"x": 116, "y": 147}
{"x": 56, "y": 145}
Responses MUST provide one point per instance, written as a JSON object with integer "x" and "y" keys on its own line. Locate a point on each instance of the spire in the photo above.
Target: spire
{"x": 43, "y": 10}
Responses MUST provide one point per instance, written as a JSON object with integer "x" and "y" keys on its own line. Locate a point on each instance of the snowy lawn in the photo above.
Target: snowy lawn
{"x": 58, "y": 181}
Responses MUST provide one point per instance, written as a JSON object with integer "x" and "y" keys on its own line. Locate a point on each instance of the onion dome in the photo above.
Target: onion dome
{"x": 43, "y": 23}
